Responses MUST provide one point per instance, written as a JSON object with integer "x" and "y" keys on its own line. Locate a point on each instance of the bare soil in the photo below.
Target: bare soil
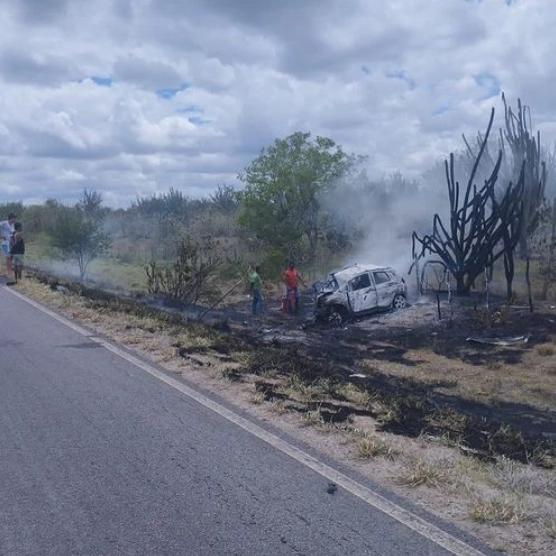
{"x": 467, "y": 430}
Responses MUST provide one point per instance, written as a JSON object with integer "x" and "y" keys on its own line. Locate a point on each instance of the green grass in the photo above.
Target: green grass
{"x": 130, "y": 276}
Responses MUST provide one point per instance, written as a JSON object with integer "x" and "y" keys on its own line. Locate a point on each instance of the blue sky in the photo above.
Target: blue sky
{"x": 133, "y": 97}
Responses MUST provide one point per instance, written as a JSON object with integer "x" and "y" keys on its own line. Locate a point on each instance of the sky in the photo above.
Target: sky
{"x": 134, "y": 97}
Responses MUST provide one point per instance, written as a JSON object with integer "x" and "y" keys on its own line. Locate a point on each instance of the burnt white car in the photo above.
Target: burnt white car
{"x": 359, "y": 289}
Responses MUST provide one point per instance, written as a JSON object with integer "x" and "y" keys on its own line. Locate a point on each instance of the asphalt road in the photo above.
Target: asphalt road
{"x": 98, "y": 457}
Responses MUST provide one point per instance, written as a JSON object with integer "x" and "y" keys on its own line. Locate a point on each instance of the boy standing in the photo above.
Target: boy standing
{"x": 255, "y": 285}
{"x": 17, "y": 251}
{"x": 6, "y": 231}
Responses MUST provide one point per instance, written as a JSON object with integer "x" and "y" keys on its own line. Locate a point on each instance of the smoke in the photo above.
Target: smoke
{"x": 383, "y": 213}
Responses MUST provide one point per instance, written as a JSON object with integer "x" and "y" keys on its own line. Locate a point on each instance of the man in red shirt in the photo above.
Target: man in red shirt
{"x": 292, "y": 279}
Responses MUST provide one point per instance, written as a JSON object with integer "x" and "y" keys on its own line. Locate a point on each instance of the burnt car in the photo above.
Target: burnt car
{"x": 357, "y": 290}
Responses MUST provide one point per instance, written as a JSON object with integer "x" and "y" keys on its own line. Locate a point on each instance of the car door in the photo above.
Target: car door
{"x": 386, "y": 287}
{"x": 361, "y": 293}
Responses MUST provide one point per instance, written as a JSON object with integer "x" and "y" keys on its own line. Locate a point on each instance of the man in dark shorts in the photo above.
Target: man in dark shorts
{"x": 292, "y": 279}
{"x": 6, "y": 231}
{"x": 17, "y": 251}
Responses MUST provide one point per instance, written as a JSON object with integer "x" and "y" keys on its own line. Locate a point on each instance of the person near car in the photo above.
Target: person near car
{"x": 6, "y": 231}
{"x": 256, "y": 286}
{"x": 292, "y": 279}
{"x": 17, "y": 251}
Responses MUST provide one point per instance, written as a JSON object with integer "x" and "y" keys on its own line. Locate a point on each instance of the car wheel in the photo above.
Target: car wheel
{"x": 337, "y": 316}
{"x": 399, "y": 301}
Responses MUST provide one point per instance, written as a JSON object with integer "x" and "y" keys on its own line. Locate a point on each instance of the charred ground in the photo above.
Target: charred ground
{"x": 411, "y": 372}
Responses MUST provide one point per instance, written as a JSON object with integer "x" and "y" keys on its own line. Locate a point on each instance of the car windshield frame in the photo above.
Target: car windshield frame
{"x": 337, "y": 285}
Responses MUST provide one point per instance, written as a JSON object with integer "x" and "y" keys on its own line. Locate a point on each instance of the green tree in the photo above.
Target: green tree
{"x": 39, "y": 219}
{"x": 15, "y": 207}
{"x": 281, "y": 202}
{"x": 78, "y": 232}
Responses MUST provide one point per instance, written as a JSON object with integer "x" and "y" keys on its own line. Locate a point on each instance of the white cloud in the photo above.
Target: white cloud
{"x": 137, "y": 96}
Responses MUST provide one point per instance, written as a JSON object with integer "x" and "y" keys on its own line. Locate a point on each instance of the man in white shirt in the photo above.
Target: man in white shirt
{"x": 6, "y": 231}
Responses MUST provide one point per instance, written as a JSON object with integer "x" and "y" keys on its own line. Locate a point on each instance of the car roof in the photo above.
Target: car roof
{"x": 347, "y": 273}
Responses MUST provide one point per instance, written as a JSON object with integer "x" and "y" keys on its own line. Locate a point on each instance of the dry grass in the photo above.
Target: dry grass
{"x": 297, "y": 389}
{"x": 257, "y": 398}
{"x": 328, "y": 428}
{"x": 523, "y": 479}
{"x": 278, "y": 407}
{"x": 495, "y": 380}
{"x": 420, "y": 471}
{"x": 548, "y": 525}
{"x": 168, "y": 354}
{"x": 227, "y": 373}
{"x": 545, "y": 350}
{"x": 387, "y": 413}
{"x": 497, "y": 511}
{"x": 469, "y": 475}
{"x": 311, "y": 418}
{"x": 494, "y": 365}
{"x": 354, "y": 394}
{"x": 324, "y": 389}
{"x": 514, "y": 477}
{"x": 374, "y": 445}
{"x": 269, "y": 373}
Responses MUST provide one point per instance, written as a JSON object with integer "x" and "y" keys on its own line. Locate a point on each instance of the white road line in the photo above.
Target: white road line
{"x": 407, "y": 518}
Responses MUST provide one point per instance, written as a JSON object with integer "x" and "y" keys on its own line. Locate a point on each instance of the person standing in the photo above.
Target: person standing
{"x": 6, "y": 231}
{"x": 255, "y": 285}
{"x": 17, "y": 251}
{"x": 292, "y": 278}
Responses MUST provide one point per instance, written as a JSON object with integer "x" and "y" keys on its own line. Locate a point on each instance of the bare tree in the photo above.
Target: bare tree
{"x": 525, "y": 148}
{"x": 187, "y": 280}
{"x": 91, "y": 204}
{"x": 225, "y": 199}
{"x": 483, "y": 225}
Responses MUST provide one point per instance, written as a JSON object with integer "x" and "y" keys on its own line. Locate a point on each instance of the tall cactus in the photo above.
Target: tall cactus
{"x": 484, "y": 225}
{"x": 525, "y": 148}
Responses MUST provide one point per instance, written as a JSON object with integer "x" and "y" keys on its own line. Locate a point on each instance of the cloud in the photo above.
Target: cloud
{"x": 36, "y": 12}
{"x": 148, "y": 74}
{"x": 137, "y": 96}
{"x": 33, "y": 68}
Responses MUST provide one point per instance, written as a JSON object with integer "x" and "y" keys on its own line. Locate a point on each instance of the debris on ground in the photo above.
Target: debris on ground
{"x": 503, "y": 342}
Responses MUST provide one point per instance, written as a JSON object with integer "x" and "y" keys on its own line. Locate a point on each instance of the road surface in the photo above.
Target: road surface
{"x": 100, "y": 457}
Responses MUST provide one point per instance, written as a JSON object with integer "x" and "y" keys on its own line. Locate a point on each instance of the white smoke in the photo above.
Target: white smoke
{"x": 385, "y": 211}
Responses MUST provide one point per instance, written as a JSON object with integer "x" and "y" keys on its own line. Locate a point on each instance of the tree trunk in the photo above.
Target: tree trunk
{"x": 509, "y": 271}
{"x": 509, "y": 289}
{"x": 523, "y": 247}
{"x": 528, "y": 280}
{"x": 462, "y": 286}
{"x": 549, "y": 265}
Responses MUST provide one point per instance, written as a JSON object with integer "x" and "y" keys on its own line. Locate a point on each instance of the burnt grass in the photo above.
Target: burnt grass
{"x": 401, "y": 405}
{"x": 410, "y": 407}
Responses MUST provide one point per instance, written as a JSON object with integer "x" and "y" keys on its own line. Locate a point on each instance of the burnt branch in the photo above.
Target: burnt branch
{"x": 525, "y": 147}
{"x": 481, "y": 228}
